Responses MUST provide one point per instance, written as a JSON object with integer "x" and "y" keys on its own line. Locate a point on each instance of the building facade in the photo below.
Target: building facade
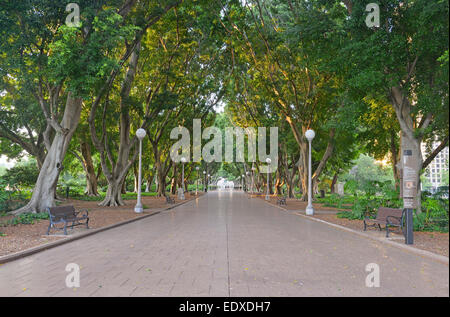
{"x": 437, "y": 170}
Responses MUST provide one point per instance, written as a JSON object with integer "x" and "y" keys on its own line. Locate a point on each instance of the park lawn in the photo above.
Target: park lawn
{"x": 435, "y": 242}
{"x": 15, "y": 238}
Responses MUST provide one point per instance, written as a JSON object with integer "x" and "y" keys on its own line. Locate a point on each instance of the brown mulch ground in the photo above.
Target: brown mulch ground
{"x": 435, "y": 242}
{"x": 25, "y": 236}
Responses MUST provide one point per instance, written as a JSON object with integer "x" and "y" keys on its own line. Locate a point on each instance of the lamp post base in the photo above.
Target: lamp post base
{"x": 267, "y": 197}
{"x": 138, "y": 208}
{"x": 310, "y": 210}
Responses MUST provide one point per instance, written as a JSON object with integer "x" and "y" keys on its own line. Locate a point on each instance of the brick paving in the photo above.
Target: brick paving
{"x": 225, "y": 244}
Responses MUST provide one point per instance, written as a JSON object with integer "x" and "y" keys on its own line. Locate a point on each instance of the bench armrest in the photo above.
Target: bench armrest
{"x": 366, "y": 215}
{"x": 366, "y": 212}
{"x": 85, "y": 211}
{"x": 399, "y": 219}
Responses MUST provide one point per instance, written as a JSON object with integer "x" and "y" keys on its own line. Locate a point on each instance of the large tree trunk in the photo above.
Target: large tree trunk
{"x": 278, "y": 182}
{"x": 395, "y": 158}
{"x": 116, "y": 185}
{"x": 304, "y": 154}
{"x": 161, "y": 178}
{"x": 410, "y": 140}
{"x": 91, "y": 177}
{"x": 333, "y": 182}
{"x": 124, "y": 186}
{"x": 149, "y": 181}
{"x": 117, "y": 175}
{"x": 44, "y": 190}
{"x": 290, "y": 183}
{"x": 174, "y": 182}
{"x": 114, "y": 194}
{"x": 288, "y": 175}
{"x": 303, "y": 182}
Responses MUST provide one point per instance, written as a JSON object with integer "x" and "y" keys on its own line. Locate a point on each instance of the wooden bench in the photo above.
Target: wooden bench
{"x": 170, "y": 200}
{"x": 66, "y": 215}
{"x": 281, "y": 201}
{"x": 387, "y": 217}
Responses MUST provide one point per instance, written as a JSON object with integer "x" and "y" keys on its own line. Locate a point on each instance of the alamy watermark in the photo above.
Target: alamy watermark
{"x": 73, "y": 18}
{"x": 373, "y": 18}
{"x": 212, "y": 151}
{"x": 373, "y": 278}
{"x": 73, "y": 278}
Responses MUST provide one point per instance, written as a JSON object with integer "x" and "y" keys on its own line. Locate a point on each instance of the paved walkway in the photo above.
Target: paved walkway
{"x": 225, "y": 244}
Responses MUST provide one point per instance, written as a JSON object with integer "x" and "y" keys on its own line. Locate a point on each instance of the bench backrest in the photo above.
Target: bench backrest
{"x": 61, "y": 212}
{"x": 383, "y": 212}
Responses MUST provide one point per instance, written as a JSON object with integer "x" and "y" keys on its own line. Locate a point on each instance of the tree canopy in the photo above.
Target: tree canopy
{"x": 73, "y": 96}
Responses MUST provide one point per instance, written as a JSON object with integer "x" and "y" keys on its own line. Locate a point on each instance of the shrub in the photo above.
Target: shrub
{"x": 22, "y": 174}
{"x": 434, "y": 216}
{"x": 27, "y": 218}
{"x": 11, "y": 199}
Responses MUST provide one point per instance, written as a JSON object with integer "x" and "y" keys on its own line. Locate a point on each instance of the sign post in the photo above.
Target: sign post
{"x": 409, "y": 192}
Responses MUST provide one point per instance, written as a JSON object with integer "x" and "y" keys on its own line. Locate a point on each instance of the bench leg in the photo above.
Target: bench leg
{"x": 365, "y": 226}
{"x": 49, "y": 226}
{"x": 387, "y": 231}
{"x": 87, "y": 223}
{"x": 65, "y": 228}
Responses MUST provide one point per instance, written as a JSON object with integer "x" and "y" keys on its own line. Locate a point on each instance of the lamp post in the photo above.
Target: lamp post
{"x": 243, "y": 181}
{"x": 183, "y": 160}
{"x": 207, "y": 180}
{"x": 196, "y": 183}
{"x": 310, "y": 134}
{"x": 140, "y": 133}
{"x": 268, "y": 161}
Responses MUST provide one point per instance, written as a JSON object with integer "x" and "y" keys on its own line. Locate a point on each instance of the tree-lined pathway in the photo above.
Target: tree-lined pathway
{"x": 225, "y": 244}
